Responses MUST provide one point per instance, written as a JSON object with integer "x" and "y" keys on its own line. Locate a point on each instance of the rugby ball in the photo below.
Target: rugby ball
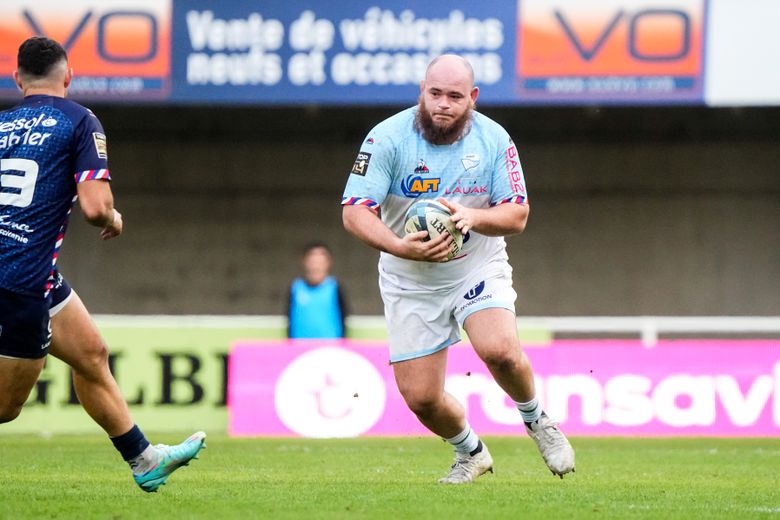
{"x": 433, "y": 217}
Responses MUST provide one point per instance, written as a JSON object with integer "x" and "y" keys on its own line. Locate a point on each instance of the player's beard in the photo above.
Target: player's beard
{"x": 437, "y": 134}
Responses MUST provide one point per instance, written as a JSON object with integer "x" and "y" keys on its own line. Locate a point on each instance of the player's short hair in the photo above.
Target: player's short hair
{"x": 38, "y": 55}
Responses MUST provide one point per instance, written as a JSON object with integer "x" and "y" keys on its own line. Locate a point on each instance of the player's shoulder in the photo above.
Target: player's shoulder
{"x": 486, "y": 125}
{"x": 395, "y": 128}
{"x": 75, "y": 111}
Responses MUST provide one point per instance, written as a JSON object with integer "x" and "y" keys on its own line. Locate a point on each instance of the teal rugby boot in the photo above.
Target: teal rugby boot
{"x": 171, "y": 458}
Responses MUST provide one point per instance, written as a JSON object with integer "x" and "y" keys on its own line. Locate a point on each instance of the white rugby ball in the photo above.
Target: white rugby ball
{"x": 433, "y": 217}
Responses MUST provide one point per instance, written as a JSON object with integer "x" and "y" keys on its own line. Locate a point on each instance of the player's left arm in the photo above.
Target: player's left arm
{"x": 97, "y": 205}
{"x": 508, "y": 211}
{"x": 500, "y": 220}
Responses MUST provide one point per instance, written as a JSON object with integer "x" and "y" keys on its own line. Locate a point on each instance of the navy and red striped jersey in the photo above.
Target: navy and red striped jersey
{"x": 47, "y": 145}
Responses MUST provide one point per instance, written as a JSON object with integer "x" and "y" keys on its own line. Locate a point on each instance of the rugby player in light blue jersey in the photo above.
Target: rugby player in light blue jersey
{"x": 443, "y": 149}
{"x": 52, "y": 153}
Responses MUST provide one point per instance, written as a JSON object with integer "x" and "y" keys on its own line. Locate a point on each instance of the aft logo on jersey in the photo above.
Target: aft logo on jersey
{"x": 415, "y": 185}
{"x": 361, "y": 164}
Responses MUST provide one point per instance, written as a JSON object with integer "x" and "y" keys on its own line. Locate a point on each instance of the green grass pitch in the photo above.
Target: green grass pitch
{"x": 83, "y": 477}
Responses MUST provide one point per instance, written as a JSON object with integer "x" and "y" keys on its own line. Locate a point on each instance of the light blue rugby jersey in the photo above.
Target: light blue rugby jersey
{"x": 396, "y": 167}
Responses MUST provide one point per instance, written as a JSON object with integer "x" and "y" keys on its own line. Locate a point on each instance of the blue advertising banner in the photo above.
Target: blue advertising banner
{"x": 341, "y": 52}
{"x": 306, "y": 51}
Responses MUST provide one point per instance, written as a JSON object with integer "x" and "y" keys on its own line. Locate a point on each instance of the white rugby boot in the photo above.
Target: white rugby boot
{"x": 553, "y": 445}
{"x": 467, "y": 468}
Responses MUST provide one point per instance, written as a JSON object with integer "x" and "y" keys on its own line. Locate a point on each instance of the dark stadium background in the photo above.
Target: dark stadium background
{"x": 635, "y": 210}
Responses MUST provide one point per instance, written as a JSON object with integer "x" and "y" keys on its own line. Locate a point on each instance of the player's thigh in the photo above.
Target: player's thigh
{"x": 76, "y": 339}
{"x": 493, "y": 333}
{"x": 422, "y": 379}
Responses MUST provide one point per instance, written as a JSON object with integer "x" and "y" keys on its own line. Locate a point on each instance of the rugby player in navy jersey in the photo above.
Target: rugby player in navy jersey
{"x": 52, "y": 153}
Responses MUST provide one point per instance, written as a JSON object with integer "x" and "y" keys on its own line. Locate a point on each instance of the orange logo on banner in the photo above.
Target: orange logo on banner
{"x": 611, "y": 38}
{"x": 102, "y": 38}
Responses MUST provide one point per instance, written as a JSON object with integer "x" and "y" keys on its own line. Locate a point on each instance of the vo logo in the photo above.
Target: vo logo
{"x": 651, "y": 34}
{"x": 116, "y": 38}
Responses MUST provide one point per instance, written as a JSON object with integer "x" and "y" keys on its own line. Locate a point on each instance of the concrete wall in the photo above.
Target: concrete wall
{"x": 634, "y": 211}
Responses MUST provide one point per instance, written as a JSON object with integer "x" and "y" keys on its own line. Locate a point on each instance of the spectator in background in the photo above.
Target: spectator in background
{"x": 316, "y": 304}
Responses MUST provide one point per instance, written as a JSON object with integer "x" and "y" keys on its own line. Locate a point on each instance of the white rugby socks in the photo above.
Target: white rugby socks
{"x": 466, "y": 442}
{"x": 145, "y": 461}
{"x": 530, "y": 411}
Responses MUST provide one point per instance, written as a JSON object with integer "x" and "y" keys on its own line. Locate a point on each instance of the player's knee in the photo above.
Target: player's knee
{"x": 93, "y": 359}
{"x": 504, "y": 358}
{"x": 9, "y": 411}
{"x": 423, "y": 404}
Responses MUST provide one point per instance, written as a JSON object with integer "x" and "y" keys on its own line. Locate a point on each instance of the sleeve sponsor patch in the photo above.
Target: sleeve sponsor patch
{"x": 361, "y": 163}
{"x": 100, "y": 145}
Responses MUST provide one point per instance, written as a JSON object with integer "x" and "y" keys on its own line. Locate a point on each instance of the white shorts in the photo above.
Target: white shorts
{"x": 421, "y": 322}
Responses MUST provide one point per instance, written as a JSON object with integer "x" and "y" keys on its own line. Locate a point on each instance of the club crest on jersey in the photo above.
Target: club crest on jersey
{"x": 470, "y": 160}
{"x": 415, "y": 185}
{"x": 421, "y": 168}
{"x": 361, "y": 163}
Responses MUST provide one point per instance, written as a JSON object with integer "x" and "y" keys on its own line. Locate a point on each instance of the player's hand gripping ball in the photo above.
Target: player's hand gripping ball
{"x": 433, "y": 217}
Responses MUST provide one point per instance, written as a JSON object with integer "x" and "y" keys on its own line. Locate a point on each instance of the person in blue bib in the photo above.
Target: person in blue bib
{"x": 316, "y": 304}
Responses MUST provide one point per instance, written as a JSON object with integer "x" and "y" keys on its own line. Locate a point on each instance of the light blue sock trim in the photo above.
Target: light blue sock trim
{"x": 466, "y": 441}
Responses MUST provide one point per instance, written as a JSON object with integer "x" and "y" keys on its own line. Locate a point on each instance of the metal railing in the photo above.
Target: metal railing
{"x": 647, "y": 328}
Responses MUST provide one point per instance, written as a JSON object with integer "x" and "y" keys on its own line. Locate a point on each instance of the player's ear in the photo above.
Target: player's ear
{"x": 474, "y": 94}
{"x": 68, "y": 77}
{"x": 422, "y": 86}
{"x": 17, "y": 79}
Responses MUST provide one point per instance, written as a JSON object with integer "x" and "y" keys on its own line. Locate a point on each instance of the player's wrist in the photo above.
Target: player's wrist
{"x": 112, "y": 218}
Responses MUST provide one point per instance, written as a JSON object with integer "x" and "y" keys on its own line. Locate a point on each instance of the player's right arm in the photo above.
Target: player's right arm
{"x": 364, "y": 223}
{"x": 369, "y": 183}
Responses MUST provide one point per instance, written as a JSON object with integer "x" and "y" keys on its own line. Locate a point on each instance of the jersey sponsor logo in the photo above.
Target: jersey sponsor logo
{"x": 361, "y": 163}
{"x": 512, "y": 161}
{"x": 100, "y": 145}
{"x": 4, "y": 222}
{"x": 421, "y": 168}
{"x": 414, "y": 185}
{"x": 470, "y": 160}
{"x": 466, "y": 187}
{"x": 21, "y": 123}
{"x": 49, "y": 122}
{"x": 475, "y": 291}
{"x": 27, "y": 138}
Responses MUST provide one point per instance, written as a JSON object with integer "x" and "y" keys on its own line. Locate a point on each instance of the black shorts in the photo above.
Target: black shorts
{"x": 59, "y": 293}
{"x": 25, "y": 326}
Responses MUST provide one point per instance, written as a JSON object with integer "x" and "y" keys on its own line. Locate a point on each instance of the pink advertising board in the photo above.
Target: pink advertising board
{"x": 593, "y": 387}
